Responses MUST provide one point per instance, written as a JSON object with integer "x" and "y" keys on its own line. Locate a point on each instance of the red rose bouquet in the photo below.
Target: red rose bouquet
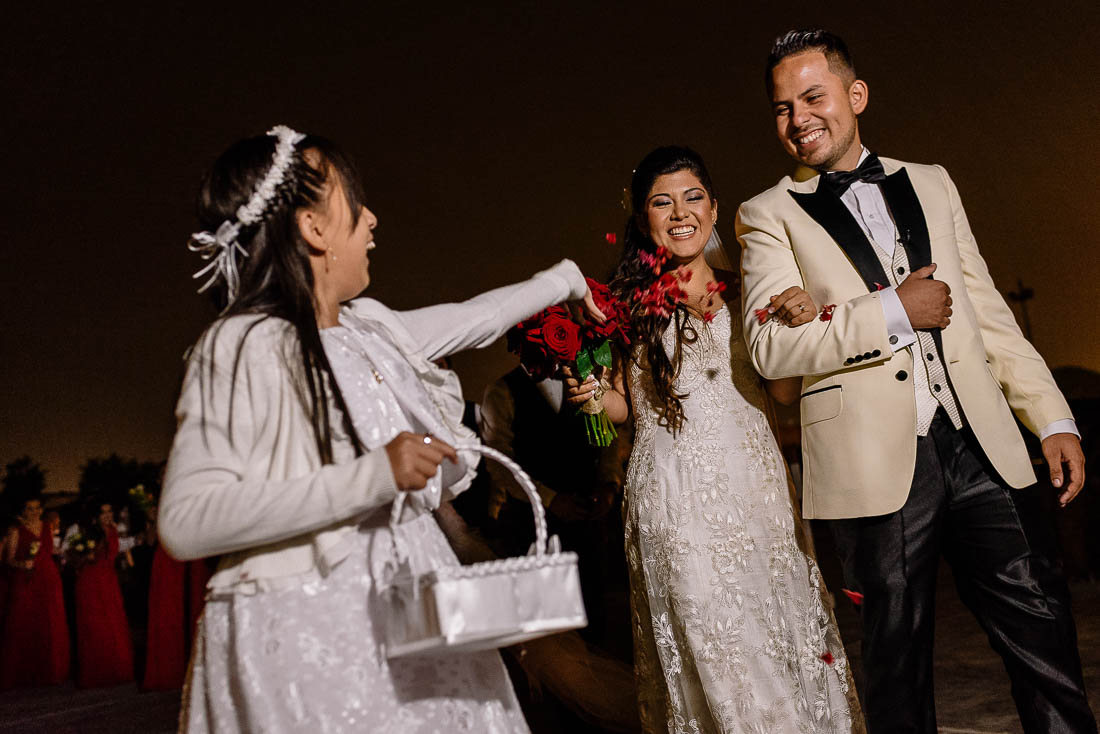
{"x": 552, "y": 339}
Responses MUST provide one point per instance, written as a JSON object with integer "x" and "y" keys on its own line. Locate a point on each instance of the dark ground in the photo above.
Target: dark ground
{"x": 972, "y": 691}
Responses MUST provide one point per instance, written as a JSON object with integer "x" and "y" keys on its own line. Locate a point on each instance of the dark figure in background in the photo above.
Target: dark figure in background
{"x": 177, "y": 592}
{"x": 590, "y": 673}
{"x": 104, "y": 648}
{"x": 909, "y": 446}
{"x": 34, "y": 641}
{"x": 578, "y": 484}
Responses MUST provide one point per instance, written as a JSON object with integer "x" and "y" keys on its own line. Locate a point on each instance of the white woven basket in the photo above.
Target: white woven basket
{"x": 483, "y": 605}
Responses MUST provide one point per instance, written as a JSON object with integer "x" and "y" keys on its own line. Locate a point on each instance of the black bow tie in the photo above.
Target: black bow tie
{"x": 870, "y": 171}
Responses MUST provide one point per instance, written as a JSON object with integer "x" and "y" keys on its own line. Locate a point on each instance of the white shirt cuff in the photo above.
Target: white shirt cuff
{"x": 897, "y": 321}
{"x": 1066, "y": 425}
{"x": 570, "y": 275}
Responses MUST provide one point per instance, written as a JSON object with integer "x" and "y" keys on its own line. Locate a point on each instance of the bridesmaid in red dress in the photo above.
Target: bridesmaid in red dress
{"x": 176, "y": 593}
{"x": 34, "y": 642}
{"x": 104, "y": 653}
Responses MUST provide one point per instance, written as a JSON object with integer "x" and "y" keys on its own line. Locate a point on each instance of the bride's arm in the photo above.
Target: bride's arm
{"x": 785, "y": 391}
{"x": 788, "y": 389}
{"x": 615, "y": 401}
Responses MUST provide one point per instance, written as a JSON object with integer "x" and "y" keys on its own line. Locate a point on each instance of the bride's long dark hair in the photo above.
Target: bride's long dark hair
{"x": 633, "y": 274}
{"x": 276, "y": 280}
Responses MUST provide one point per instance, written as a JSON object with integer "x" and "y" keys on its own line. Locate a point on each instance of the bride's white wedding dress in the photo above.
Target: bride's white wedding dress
{"x": 731, "y": 633}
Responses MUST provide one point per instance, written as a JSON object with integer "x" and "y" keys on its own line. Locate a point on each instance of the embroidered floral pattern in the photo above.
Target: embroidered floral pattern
{"x": 730, "y": 629}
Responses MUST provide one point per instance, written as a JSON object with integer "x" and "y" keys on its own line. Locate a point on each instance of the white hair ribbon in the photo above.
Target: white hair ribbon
{"x": 221, "y": 247}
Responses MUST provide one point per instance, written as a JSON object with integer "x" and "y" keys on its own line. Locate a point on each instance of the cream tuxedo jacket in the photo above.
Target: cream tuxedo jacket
{"x": 858, "y": 406}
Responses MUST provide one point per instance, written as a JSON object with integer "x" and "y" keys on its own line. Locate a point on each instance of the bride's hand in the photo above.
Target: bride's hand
{"x": 577, "y": 392}
{"x": 793, "y": 307}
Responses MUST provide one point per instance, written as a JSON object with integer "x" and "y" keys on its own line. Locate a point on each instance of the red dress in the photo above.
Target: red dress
{"x": 104, "y": 655}
{"x": 34, "y": 645}
{"x": 176, "y": 594}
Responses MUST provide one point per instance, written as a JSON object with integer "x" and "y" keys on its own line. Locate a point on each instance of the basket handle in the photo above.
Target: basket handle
{"x": 521, "y": 477}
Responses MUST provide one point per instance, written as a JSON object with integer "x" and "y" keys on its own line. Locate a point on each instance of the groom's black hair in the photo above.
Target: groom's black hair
{"x": 798, "y": 42}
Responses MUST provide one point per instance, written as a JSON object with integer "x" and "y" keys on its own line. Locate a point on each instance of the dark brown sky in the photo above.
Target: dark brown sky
{"x": 493, "y": 141}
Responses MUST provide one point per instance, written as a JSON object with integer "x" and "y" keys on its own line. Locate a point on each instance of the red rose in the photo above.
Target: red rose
{"x": 608, "y": 305}
{"x": 539, "y": 363}
{"x": 827, "y": 657}
{"x": 562, "y": 337}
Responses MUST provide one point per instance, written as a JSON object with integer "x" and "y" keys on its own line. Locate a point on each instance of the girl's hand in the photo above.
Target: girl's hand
{"x": 793, "y": 307}
{"x": 588, "y": 305}
{"x": 576, "y": 391}
{"x": 415, "y": 458}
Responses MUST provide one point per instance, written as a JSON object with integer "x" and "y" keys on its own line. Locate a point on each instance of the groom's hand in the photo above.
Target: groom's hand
{"x": 1065, "y": 448}
{"x": 927, "y": 302}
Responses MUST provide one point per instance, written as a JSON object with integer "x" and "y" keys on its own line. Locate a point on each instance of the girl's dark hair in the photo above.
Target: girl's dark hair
{"x": 276, "y": 280}
{"x": 632, "y": 274}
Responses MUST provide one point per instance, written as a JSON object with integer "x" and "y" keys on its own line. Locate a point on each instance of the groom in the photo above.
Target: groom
{"x": 911, "y": 377}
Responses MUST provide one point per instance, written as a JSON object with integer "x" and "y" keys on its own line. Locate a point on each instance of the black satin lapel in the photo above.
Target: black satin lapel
{"x": 908, "y": 217}
{"x": 830, "y": 212}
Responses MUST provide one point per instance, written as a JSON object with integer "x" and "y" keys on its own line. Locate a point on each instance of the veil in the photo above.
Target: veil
{"x": 715, "y": 252}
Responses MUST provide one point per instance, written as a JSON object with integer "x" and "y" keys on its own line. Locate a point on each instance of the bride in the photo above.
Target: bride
{"x": 730, "y": 631}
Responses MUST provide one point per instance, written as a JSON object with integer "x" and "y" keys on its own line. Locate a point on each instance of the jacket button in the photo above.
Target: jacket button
{"x": 849, "y": 361}
{"x": 876, "y": 353}
{"x": 867, "y": 355}
{"x": 901, "y": 271}
{"x": 901, "y": 375}
{"x": 937, "y": 388}
{"x": 931, "y": 358}
{"x": 858, "y": 358}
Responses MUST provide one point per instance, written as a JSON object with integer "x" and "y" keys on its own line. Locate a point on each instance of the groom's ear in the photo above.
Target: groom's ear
{"x": 857, "y": 96}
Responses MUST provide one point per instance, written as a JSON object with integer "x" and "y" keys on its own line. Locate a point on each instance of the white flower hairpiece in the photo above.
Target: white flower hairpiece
{"x": 221, "y": 247}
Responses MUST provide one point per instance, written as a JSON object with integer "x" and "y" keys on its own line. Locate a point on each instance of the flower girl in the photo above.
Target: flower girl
{"x": 303, "y": 412}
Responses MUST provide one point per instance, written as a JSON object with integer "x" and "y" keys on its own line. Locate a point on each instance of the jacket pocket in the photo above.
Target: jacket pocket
{"x": 822, "y": 404}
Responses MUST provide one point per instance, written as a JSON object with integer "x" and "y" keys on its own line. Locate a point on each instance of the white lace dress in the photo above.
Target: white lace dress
{"x": 305, "y": 656}
{"x": 730, "y": 630}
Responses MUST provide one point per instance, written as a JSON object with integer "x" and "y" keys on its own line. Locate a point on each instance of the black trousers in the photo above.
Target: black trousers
{"x": 959, "y": 508}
